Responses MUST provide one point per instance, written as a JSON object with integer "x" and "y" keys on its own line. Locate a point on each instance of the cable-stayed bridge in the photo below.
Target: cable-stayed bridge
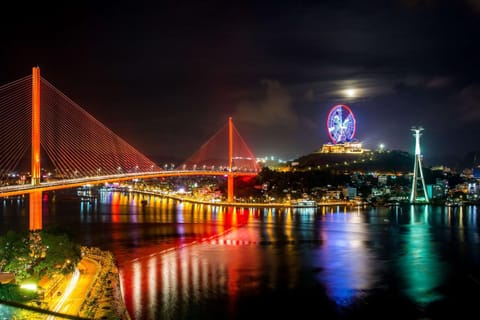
{"x": 41, "y": 127}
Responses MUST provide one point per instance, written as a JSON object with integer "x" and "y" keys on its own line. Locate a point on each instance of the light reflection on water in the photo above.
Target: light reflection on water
{"x": 347, "y": 263}
{"x": 419, "y": 262}
{"x": 227, "y": 261}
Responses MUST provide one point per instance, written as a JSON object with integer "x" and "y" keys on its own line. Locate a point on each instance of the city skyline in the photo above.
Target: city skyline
{"x": 166, "y": 77}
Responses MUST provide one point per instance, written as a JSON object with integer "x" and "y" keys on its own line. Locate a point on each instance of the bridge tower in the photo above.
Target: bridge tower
{"x": 226, "y": 154}
{"x": 230, "y": 177}
{"x": 417, "y": 171}
{"x": 35, "y": 197}
{"x": 35, "y": 126}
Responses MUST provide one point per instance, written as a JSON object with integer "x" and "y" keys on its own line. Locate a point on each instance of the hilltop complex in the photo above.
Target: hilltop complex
{"x": 341, "y": 127}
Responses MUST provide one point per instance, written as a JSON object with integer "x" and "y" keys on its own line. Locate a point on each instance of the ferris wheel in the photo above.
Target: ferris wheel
{"x": 341, "y": 124}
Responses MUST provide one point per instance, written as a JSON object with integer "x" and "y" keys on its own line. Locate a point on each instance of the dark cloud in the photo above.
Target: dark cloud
{"x": 475, "y": 5}
{"x": 272, "y": 108}
{"x": 469, "y": 104}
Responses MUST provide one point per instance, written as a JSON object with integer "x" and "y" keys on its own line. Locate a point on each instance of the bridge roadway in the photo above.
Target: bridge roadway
{"x": 15, "y": 190}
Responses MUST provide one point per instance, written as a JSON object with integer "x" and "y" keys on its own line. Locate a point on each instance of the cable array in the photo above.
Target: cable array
{"x": 15, "y": 126}
{"x": 78, "y": 145}
{"x": 213, "y": 154}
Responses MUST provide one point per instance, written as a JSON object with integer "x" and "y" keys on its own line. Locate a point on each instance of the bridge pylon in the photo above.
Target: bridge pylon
{"x": 35, "y": 126}
{"x": 35, "y": 197}
{"x": 226, "y": 152}
{"x": 230, "y": 177}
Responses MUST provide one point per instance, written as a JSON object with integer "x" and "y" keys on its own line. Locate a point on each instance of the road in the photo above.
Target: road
{"x": 76, "y": 290}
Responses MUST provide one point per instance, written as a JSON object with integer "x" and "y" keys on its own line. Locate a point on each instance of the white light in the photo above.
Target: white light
{"x": 29, "y": 286}
{"x": 350, "y": 92}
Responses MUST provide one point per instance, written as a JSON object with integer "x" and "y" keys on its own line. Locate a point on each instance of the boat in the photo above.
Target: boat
{"x": 303, "y": 203}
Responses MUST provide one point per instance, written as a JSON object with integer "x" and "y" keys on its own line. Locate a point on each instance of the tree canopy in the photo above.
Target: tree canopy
{"x": 36, "y": 254}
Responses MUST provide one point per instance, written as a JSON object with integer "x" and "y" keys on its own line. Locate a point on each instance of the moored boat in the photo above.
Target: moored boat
{"x": 303, "y": 203}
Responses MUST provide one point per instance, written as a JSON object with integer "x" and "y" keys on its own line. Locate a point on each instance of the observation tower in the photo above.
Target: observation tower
{"x": 417, "y": 171}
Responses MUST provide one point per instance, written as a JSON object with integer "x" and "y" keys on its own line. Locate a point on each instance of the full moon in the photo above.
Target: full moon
{"x": 350, "y": 92}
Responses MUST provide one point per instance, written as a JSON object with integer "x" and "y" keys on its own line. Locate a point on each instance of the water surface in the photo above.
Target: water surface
{"x": 187, "y": 261}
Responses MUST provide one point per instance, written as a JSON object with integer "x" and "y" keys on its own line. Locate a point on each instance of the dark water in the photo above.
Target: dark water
{"x": 186, "y": 261}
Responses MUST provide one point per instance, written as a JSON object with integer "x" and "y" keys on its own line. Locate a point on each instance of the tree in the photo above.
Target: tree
{"x": 19, "y": 259}
{"x": 61, "y": 254}
{"x": 37, "y": 254}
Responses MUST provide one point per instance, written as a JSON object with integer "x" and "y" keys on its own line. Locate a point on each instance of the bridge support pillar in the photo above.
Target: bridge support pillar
{"x": 35, "y": 126}
{"x": 230, "y": 187}
{"x": 35, "y": 202}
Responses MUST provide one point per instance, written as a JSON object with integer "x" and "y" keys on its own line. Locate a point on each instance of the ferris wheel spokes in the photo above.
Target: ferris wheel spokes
{"x": 341, "y": 124}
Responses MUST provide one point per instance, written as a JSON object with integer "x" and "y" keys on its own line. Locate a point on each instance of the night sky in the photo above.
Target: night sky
{"x": 165, "y": 76}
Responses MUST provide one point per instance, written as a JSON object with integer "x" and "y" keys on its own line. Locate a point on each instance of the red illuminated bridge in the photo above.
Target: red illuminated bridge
{"x": 39, "y": 120}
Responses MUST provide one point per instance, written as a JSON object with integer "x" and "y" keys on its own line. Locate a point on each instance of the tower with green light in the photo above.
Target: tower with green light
{"x": 418, "y": 182}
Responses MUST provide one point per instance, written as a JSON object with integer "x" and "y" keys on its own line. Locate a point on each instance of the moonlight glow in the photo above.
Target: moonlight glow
{"x": 350, "y": 92}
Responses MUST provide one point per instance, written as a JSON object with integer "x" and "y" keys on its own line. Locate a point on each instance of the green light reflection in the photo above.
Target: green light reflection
{"x": 420, "y": 264}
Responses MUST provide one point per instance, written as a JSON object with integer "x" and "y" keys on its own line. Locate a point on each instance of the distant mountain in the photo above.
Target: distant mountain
{"x": 459, "y": 162}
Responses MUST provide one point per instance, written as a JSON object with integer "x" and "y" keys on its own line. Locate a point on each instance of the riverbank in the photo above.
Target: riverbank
{"x": 250, "y": 204}
{"x": 95, "y": 291}
{"x": 297, "y": 205}
{"x": 104, "y": 299}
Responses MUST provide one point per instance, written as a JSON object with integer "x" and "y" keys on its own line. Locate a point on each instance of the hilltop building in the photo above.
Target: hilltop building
{"x": 343, "y": 147}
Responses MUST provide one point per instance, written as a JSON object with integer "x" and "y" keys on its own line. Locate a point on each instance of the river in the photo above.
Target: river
{"x": 179, "y": 260}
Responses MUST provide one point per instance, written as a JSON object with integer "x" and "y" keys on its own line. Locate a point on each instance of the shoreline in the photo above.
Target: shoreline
{"x": 104, "y": 299}
{"x": 96, "y": 292}
{"x": 251, "y": 204}
{"x": 351, "y": 203}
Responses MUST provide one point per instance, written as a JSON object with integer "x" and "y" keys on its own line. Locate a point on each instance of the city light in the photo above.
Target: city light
{"x": 29, "y": 286}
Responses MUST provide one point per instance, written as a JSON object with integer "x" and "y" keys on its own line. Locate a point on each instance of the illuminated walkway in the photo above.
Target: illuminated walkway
{"x": 78, "y": 295}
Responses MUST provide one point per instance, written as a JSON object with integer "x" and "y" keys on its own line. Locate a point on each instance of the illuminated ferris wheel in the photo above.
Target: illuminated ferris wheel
{"x": 341, "y": 124}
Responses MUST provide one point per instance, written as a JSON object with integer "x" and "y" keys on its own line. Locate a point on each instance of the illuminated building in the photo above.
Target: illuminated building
{"x": 346, "y": 147}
